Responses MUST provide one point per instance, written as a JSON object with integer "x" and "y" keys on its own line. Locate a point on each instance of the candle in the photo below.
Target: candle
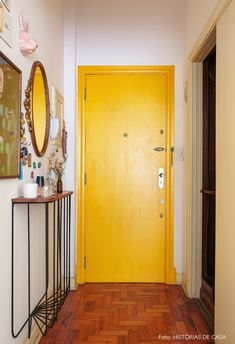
{"x": 30, "y": 190}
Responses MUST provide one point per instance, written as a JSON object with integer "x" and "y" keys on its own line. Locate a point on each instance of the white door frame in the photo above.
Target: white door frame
{"x": 195, "y": 179}
{"x": 193, "y": 154}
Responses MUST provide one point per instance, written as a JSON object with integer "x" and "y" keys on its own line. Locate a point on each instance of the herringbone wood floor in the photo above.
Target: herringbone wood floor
{"x": 127, "y": 314}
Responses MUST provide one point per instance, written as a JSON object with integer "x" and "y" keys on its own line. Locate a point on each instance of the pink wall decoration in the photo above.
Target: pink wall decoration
{"x": 27, "y": 43}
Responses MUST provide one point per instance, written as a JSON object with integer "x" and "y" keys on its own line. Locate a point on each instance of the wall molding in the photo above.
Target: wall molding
{"x": 73, "y": 283}
{"x": 203, "y": 43}
{"x": 179, "y": 278}
{"x": 184, "y": 283}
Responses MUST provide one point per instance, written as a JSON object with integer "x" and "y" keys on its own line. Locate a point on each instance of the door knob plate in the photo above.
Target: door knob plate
{"x": 161, "y": 178}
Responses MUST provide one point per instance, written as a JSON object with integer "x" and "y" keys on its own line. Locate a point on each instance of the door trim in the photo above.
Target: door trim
{"x": 193, "y": 122}
{"x": 83, "y": 71}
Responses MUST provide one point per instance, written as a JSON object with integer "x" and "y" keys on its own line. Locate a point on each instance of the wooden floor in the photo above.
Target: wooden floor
{"x": 127, "y": 314}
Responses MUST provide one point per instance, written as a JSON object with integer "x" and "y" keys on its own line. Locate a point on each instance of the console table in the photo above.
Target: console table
{"x": 46, "y": 310}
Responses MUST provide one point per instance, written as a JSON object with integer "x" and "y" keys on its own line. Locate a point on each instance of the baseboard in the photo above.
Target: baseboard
{"x": 179, "y": 278}
{"x": 206, "y": 315}
{"x": 185, "y": 284}
{"x": 73, "y": 283}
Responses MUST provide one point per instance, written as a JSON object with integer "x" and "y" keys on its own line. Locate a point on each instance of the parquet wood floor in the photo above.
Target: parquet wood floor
{"x": 127, "y": 314}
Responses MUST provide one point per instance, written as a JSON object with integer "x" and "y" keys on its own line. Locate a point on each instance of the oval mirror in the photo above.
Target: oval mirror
{"x": 37, "y": 106}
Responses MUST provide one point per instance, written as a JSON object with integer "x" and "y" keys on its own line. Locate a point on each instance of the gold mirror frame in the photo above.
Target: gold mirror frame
{"x": 28, "y": 104}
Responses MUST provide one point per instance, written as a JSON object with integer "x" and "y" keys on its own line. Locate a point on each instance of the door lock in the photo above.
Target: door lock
{"x": 161, "y": 178}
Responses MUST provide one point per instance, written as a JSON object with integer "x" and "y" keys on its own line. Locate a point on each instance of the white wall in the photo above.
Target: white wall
{"x": 197, "y": 15}
{"x": 70, "y": 97}
{"x": 46, "y": 24}
{"x": 225, "y": 205}
{"x": 139, "y": 32}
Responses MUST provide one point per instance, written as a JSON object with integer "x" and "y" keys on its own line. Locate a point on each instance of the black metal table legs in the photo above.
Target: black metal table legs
{"x": 57, "y": 255}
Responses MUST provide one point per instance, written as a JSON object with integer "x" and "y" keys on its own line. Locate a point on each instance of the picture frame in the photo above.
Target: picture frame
{"x": 10, "y": 112}
{"x": 7, "y": 4}
{"x": 5, "y": 25}
{"x": 1, "y": 17}
{"x": 57, "y": 111}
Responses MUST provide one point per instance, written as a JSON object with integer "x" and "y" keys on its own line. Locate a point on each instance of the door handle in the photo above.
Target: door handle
{"x": 161, "y": 177}
{"x": 208, "y": 192}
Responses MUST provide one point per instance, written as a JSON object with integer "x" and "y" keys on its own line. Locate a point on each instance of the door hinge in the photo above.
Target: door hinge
{"x": 84, "y": 263}
{"x": 85, "y": 93}
{"x": 85, "y": 179}
{"x": 172, "y": 155}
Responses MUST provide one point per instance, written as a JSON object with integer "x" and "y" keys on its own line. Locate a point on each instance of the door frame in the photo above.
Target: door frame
{"x": 83, "y": 71}
{"x": 193, "y": 154}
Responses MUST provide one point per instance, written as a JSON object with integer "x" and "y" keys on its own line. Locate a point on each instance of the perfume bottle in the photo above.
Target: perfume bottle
{"x": 40, "y": 182}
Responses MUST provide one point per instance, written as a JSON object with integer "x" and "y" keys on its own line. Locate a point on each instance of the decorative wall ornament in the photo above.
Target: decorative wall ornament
{"x": 64, "y": 141}
{"x": 57, "y": 111}
{"x": 24, "y": 153}
{"x": 21, "y": 176}
{"x": 27, "y": 43}
{"x": 23, "y": 139}
{"x": 22, "y": 129}
{"x": 27, "y": 105}
{"x": 54, "y": 129}
{"x": 37, "y": 108}
{"x": 30, "y": 160}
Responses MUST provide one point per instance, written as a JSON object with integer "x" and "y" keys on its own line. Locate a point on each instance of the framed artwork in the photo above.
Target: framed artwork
{"x": 7, "y": 3}
{"x": 10, "y": 111}
{"x": 5, "y": 25}
{"x": 58, "y": 112}
{"x": 1, "y": 17}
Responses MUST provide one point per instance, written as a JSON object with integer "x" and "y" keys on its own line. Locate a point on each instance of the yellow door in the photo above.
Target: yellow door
{"x": 126, "y": 144}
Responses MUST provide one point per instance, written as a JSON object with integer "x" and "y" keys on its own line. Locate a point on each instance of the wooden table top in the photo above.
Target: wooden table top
{"x": 42, "y": 199}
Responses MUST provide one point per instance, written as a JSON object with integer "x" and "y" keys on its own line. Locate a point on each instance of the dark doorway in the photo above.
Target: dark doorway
{"x": 207, "y": 291}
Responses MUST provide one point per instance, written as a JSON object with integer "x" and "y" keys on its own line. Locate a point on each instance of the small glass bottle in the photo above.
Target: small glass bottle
{"x": 40, "y": 182}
